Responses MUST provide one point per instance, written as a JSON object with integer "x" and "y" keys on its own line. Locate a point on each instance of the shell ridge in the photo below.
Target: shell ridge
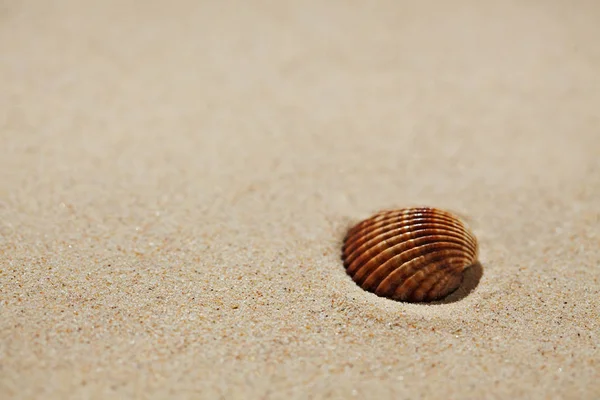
{"x": 445, "y": 286}
{"x": 381, "y": 253}
{"x": 399, "y": 276}
{"x": 393, "y": 248}
{"x": 437, "y": 284}
{"x": 368, "y": 234}
{"x": 384, "y": 237}
{"x": 412, "y": 283}
{"x": 402, "y": 215}
{"x": 400, "y": 258}
{"x": 434, "y": 229}
{"x": 401, "y": 218}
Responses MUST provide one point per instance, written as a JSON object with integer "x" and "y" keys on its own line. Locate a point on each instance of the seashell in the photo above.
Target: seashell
{"x": 410, "y": 254}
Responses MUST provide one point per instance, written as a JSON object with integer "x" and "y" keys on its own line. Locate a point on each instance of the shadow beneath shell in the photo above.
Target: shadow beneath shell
{"x": 471, "y": 278}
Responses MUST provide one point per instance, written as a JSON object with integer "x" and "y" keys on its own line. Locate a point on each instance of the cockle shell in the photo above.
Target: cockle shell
{"x": 410, "y": 254}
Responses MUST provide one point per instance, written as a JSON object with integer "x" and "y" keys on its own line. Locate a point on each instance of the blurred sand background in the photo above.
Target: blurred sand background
{"x": 176, "y": 178}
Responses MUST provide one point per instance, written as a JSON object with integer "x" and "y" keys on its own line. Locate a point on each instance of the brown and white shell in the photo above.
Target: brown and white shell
{"x": 410, "y": 254}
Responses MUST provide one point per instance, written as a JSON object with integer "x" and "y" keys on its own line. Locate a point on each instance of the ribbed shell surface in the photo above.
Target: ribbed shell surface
{"x": 411, "y": 254}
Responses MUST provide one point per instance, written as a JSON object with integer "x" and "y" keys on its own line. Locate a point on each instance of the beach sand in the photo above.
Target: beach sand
{"x": 177, "y": 177}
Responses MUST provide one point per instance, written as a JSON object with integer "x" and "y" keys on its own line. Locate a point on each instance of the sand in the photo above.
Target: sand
{"x": 176, "y": 179}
